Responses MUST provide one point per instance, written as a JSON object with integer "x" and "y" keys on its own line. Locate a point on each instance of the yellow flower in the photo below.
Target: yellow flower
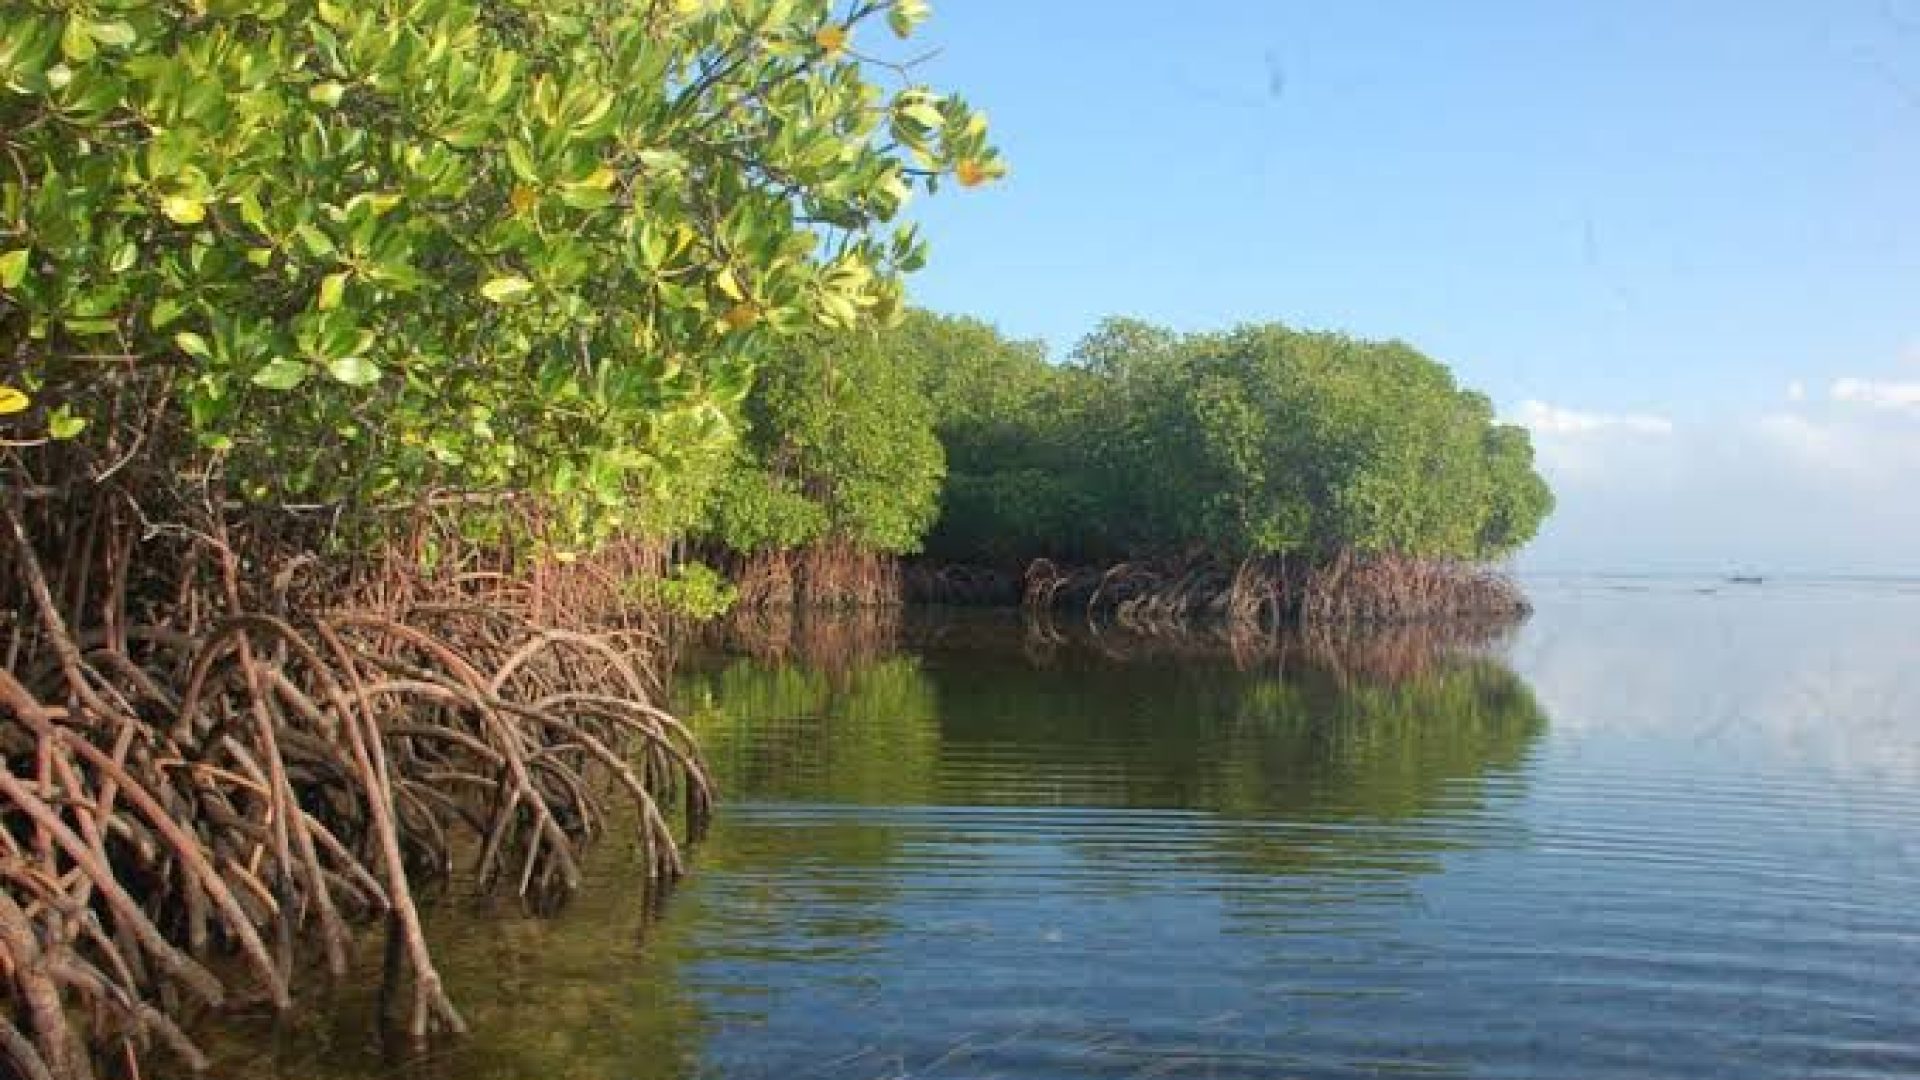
{"x": 831, "y": 39}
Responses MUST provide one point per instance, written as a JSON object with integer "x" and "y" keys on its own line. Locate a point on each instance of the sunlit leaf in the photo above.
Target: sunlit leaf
{"x": 332, "y": 288}
{"x": 354, "y": 371}
{"x": 13, "y": 268}
{"x": 63, "y": 423}
{"x": 183, "y": 210}
{"x": 192, "y": 344}
{"x": 507, "y": 290}
{"x": 117, "y": 34}
{"x": 281, "y": 373}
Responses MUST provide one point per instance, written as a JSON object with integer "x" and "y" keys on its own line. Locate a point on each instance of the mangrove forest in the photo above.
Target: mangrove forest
{"x": 388, "y": 389}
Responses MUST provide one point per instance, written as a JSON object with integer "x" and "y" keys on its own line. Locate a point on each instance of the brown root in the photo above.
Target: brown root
{"x": 193, "y": 774}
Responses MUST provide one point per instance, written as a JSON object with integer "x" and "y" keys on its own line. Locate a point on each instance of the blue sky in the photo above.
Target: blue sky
{"x": 1681, "y": 241}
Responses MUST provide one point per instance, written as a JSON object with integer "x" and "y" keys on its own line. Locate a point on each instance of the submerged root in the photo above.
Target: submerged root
{"x": 178, "y": 796}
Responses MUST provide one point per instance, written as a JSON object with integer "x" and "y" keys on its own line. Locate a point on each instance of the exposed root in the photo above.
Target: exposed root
{"x": 223, "y": 783}
{"x": 1258, "y": 597}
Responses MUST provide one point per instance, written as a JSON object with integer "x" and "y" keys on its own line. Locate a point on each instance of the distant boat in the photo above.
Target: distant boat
{"x": 1745, "y": 579}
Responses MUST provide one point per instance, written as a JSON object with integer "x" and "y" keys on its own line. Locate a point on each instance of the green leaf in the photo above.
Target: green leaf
{"x": 585, "y": 198}
{"x": 521, "y": 161}
{"x": 192, "y": 344}
{"x": 63, "y": 424}
{"x": 13, "y": 268}
{"x": 317, "y": 243}
{"x": 280, "y": 373}
{"x": 922, "y": 112}
{"x": 905, "y": 15}
{"x": 507, "y": 290}
{"x": 116, "y": 34}
{"x": 354, "y": 371}
{"x": 332, "y": 288}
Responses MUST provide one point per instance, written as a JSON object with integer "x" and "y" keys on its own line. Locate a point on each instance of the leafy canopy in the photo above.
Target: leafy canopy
{"x": 364, "y": 251}
{"x": 840, "y": 447}
{"x": 1260, "y": 441}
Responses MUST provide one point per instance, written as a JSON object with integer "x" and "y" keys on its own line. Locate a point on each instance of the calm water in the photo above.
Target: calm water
{"x": 1655, "y": 832}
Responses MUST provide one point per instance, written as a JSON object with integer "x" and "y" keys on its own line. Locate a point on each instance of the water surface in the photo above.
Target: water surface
{"x": 1668, "y": 828}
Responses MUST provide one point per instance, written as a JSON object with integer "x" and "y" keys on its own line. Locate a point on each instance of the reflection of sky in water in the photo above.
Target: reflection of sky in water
{"x": 1821, "y": 678}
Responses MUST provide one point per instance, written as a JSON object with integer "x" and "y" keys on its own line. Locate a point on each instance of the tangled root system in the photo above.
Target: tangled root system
{"x": 202, "y": 810}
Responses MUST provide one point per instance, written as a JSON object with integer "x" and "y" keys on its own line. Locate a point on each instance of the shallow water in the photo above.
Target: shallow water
{"x": 1657, "y": 831}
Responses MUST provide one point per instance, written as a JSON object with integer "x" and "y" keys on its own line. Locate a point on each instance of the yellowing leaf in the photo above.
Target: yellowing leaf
{"x": 741, "y": 316}
{"x": 76, "y": 43}
{"x": 326, "y": 93}
{"x": 507, "y": 290}
{"x": 192, "y": 344}
{"x": 332, "y": 288}
{"x": 63, "y": 424}
{"x": 13, "y": 268}
{"x": 729, "y": 284}
{"x": 13, "y": 401}
{"x": 183, "y": 210}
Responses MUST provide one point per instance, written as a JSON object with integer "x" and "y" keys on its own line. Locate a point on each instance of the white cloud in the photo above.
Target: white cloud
{"x": 1820, "y": 486}
{"x": 1823, "y": 480}
{"x": 1877, "y": 393}
{"x": 1544, "y": 419}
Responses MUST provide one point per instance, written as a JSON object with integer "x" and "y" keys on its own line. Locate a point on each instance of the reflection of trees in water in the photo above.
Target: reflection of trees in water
{"x": 865, "y": 733}
{"x": 821, "y": 639}
{"x": 1373, "y": 726}
{"x": 1296, "y": 738}
{"x": 1321, "y": 756}
{"x": 1364, "y": 728}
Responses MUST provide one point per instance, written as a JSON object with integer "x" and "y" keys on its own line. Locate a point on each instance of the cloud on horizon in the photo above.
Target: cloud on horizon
{"x": 1877, "y": 393}
{"x": 1818, "y": 485}
{"x": 1544, "y": 419}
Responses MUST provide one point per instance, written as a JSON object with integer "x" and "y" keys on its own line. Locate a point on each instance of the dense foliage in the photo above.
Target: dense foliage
{"x": 331, "y": 337}
{"x": 1262, "y": 441}
{"x": 350, "y": 254}
{"x": 840, "y": 448}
